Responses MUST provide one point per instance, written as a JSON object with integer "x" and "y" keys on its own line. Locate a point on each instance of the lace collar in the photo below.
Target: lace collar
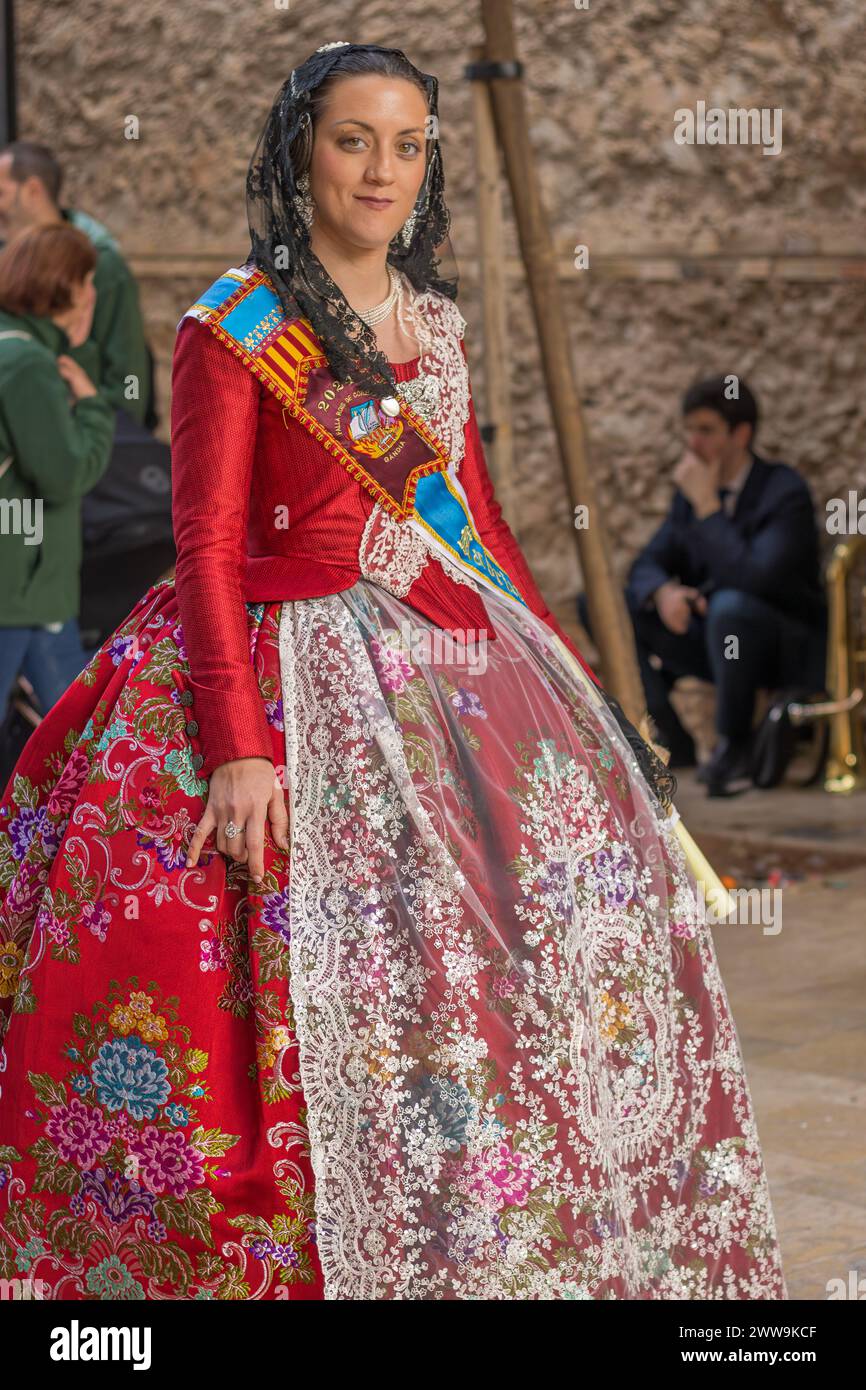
{"x": 440, "y": 391}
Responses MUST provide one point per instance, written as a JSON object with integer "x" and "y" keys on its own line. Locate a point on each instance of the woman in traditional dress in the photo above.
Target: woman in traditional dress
{"x": 351, "y": 951}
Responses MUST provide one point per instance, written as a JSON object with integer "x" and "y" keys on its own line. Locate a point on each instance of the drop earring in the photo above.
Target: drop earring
{"x": 402, "y": 240}
{"x": 303, "y": 199}
{"x": 408, "y": 229}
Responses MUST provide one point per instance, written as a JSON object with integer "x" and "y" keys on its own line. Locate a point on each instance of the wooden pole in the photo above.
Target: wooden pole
{"x": 493, "y": 297}
{"x": 611, "y": 624}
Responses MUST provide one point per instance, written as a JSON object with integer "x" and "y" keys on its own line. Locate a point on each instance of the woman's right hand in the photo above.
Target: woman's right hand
{"x": 75, "y": 377}
{"x": 246, "y": 791}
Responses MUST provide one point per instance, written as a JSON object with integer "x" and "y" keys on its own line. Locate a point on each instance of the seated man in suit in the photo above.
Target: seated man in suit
{"x": 729, "y": 587}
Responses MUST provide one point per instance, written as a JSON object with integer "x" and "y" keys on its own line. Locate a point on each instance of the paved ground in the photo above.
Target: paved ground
{"x": 799, "y": 1004}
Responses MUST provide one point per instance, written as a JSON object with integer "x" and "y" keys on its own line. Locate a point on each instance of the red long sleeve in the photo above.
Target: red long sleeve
{"x": 497, "y": 534}
{"x": 214, "y": 417}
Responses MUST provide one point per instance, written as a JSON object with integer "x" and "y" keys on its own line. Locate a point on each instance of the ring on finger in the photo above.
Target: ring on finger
{"x": 231, "y": 830}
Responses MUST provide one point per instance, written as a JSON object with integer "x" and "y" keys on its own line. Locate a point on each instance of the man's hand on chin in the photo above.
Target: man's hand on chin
{"x": 699, "y": 482}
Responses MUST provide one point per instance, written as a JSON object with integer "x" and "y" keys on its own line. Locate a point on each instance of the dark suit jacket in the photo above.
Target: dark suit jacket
{"x": 769, "y": 547}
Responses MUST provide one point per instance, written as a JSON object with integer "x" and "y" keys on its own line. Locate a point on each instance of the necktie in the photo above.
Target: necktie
{"x": 724, "y": 494}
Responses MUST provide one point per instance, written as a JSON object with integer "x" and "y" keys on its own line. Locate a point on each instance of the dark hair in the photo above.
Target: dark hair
{"x": 40, "y": 266}
{"x": 28, "y": 158}
{"x": 711, "y": 394}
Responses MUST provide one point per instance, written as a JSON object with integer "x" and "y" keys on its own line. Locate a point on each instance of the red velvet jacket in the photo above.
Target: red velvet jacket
{"x": 236, "y": 460}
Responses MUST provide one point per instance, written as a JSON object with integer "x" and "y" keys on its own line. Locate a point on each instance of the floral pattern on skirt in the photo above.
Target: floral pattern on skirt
{"x": 468, "y": 1039}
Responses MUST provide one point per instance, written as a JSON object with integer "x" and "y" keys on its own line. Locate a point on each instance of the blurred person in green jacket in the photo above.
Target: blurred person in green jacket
{"x": 56, "y": 429}
{"x": 30, "y": 183}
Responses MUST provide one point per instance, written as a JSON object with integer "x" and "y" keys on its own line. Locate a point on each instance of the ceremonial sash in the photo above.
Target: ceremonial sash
{"x": 397, "y": 459}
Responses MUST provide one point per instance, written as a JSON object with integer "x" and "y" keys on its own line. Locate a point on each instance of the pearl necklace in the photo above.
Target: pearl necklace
{"x": 371, "y": 317}
{"x": 421, "y": 393}
{"x": 381, "y": 311}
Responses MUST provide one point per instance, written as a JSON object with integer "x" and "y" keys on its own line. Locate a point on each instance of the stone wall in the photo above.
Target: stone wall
{"x": 702, "y": 258}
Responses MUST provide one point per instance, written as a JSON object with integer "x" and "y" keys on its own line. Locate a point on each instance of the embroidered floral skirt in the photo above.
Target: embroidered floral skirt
{"x": 468, "y": 1039}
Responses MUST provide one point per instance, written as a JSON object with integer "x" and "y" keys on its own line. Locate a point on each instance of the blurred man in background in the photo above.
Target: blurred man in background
{"x": 126, "y": 516}
{"x": 729, "y": 588}
{"x": 30, "y": 184}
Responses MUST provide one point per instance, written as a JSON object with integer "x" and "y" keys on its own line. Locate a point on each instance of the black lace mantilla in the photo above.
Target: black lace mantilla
{"x": 279, "y": 237}
{"x": 662, "y": 781}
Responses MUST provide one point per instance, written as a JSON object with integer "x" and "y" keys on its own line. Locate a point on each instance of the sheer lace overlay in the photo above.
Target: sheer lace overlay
{"x": 521, "y": 1073}
{"x": 438, "y": 326}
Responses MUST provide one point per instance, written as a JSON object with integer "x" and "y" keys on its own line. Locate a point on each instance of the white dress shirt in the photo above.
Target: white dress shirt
{"x": 736, "y": 486}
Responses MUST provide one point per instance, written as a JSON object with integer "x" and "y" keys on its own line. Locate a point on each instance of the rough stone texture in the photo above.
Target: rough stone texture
{"x": 602, "y": 89}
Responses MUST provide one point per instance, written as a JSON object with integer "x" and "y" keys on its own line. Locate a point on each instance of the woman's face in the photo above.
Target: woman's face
{"x": 369, "y": 159}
